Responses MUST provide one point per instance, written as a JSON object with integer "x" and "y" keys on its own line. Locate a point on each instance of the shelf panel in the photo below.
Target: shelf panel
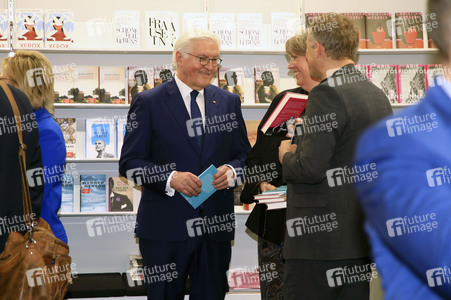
{"x": 396, "y": 51}
{"x": 95, "y": 106}
{"x": 92, "y": 160}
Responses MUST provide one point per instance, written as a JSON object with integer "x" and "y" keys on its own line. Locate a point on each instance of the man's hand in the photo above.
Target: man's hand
{"x": 186, "y": 183}
{"x": 224, "y": 178}
{"x": 266, "y": 186}
{"x": 286, "y": 146}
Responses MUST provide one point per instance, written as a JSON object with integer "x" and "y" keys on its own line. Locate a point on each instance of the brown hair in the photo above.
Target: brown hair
{"x": 337, "y": 33}
{"x": 439, "y": 20}
{"x": 32, "y": 72}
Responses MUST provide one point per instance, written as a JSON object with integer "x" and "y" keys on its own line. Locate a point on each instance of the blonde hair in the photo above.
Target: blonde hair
{"x": 183, "y": 43}
{"x": 338, "y": 35}
{"x": 32, "y": 72}
{"x": 297, "y": 44}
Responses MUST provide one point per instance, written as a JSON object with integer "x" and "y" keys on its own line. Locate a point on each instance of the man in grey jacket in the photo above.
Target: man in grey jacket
{"x": 326, "y": 249}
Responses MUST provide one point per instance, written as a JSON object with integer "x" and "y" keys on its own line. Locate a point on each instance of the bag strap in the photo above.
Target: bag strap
{"x": 29, "y": 220}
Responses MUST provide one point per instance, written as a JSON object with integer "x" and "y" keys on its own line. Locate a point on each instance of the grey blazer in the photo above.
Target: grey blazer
{"x": 324, "y": 218}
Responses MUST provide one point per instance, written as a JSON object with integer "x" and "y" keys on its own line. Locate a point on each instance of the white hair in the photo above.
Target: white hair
{"x": 183, "y": 43}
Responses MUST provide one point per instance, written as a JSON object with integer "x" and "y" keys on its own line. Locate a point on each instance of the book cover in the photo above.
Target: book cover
{"x": 195, "y": 20}
{"x": 379, "y": 31}
{"x": 249, "y": 29}
{"x": 364, "y": 69}
{"x": 232, "y": 80}
{"x": 161, "y": 74}
{"x": 433, "y": 71}
{"x": 30, "y": 29}
{"x": 359, "y": 20}
{"x": 69, "y": 128}
{"x": 252, "y": 130}
{"x": 207, "y": 187}
{"x": 224, "y": 26}
{"x": 126, "y": 28}
{"x": 135, "y": 270}
{"x": 409, "y": 30}
{"x": 162, "y": 29}
{"x": 240, "y": 278}
{"x": 385, "y": 77}
{"x": 412, "y": 83}
{"x": 121, "y": 126}
{"x": 120, "y": 194}
{"x": 267, "y": 83}
{"x": 283, "y": 27}
{"x": 93, "y": 193}
{"x": 86, "y": 84}
{"x": 290, "y": 107}
{"x": 59, "y": 28}
{"x": 63, "y": 82}
{"x": 100, "y": 138}
{"x": 112, "y": 85}
{"x": 139, "y": 79}
{"x": 4, "y": 29}
{"x": 67, "y": 198}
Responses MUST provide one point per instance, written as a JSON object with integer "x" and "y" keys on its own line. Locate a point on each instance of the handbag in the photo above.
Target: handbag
{"x": 36, "y": 265}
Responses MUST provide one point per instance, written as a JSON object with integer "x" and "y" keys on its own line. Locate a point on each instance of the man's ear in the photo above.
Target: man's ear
{"x": 178, "y": 57}
{"x": 320, "y": 50}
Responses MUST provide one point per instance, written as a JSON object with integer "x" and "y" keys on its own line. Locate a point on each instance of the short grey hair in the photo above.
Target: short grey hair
{"x": 183, "y": 43}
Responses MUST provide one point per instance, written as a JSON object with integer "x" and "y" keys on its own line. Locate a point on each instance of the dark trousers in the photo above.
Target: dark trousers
{"x": 167, "y": 266}
{"x": 324, "y": 280}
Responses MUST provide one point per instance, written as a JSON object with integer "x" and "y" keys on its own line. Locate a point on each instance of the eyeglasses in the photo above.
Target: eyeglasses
{"x": 205, "y": 60}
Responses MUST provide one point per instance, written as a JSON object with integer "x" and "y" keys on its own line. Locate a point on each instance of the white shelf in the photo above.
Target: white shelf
{"x": 397, "y": 51}
{"x": 92, "y": 160}
{"x": 87, "y": 105}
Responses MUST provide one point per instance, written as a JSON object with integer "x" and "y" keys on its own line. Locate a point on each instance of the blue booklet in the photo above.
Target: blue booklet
{"x": 207, "y": 187}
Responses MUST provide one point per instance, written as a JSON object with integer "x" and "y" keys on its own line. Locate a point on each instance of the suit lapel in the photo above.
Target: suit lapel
{"x": 211, "y": 109}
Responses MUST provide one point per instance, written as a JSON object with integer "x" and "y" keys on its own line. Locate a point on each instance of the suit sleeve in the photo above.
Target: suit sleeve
{"x": 136, "y": 154}
{"x": 315, "y": 150}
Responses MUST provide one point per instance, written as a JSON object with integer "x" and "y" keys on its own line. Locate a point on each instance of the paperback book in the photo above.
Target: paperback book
{"x": 409, "y": 30}
{"x": 207, "y": 188}
{"x": 162, "y": 29}
{"x": 120, "y": 194}
{"x": 412, "y": 83}
{"x": 249, "y": 28}
{"x": 69, "y": 128}
{"x": 112, "y": 85}
{"x": 162, "y": 74}
{"x": 359, "y": 20}
{"x": 364, "y": 69}
{"x": 195, "y": 21}
{"x": 267, "y": 84}
{"x": 232, "y": 80}
{"x": 93, "y": 193}
{"x": 67, "y": 197}
{"x": 30, "y": 29}
{"x": 100, "y": 138}
{"x": 4, "y": 29}
{"x": 379, "y": 31}
{"x": 121, "y": 126}
{"x": 63, "y": 83}
{"x": 385, "y": 77}
{"x": 433, "y": 74}
{"x": 126, "y": 28}
{"x": 139, "y": 79}
{"x": 283, "y": 27}
{"x": 224, "y": 26}
{"x": 59, "y": 28}
{"x": 86, "y": 84}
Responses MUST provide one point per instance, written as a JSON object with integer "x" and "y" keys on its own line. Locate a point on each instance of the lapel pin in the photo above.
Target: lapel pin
{"x": 214, "y": 102}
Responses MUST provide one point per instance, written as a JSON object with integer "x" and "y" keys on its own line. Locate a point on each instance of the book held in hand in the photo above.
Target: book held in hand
{"x": 207, "y": 187}
{"x": 290, "y": 107}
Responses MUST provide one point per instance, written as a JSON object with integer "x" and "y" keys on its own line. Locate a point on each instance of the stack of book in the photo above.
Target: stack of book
{"x": 276, "y": 199}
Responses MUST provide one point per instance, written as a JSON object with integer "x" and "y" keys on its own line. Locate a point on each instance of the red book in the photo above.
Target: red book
{"x": 290, "y": 107}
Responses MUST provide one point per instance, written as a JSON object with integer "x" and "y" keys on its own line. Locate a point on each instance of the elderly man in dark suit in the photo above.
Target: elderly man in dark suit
{"x": 175, "y": 132}
{"x": 326, "y": 249}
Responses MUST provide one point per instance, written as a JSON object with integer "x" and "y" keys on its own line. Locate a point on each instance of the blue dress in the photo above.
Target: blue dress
{"x": 53, "y": 151}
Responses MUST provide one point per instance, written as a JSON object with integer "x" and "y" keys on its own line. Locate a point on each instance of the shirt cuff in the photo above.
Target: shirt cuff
{"x": 234, "y": 175}
{"x": 170, "y": 191}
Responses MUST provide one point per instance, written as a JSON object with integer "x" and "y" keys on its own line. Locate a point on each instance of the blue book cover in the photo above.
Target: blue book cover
{"x": 207, "y": 187}
{"x": 93, "y": 193}
{"x": 67, "y": 199}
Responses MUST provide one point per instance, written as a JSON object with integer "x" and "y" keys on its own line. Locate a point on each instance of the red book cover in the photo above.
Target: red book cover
{"x": 409, "y": 30}
{"x": 290, "y": 107}
{"x": 378, "y": 31}
{"x": 359, "y": 20}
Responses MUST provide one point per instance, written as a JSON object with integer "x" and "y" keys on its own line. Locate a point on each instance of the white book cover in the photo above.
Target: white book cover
{"x": 195, "y": 20}
{"x": 385, "y": 77}
{"x": 67, "y": 198}
{"x": 86, "y": 84}
{"x": 364, "y": 69}
{"x": 121, "y": 126}
{"x": 112, "y": 85}
{"x": 267, "y": 83}
{"x": 139, "y": 80}
{"x": 126, "y": 28}
{"x": 59, "y": 29}
{"x": 433, "y": 71}
{"x": 100, "y": 138}
{"x": 162, "y": 29}
{"x": 232, "y": 80}
{"x": 283, "y": 26}
{"x": 4, "y": 29}
{"x": 224, "y": 26}
{"x": 249, "y": 31}
{"x": 412, "y": 83}
{"x": 30, "y": 29}
{"x": 69, "y": 128}
{"x": 63, "y": 82}
{"x": 93, "y": 193}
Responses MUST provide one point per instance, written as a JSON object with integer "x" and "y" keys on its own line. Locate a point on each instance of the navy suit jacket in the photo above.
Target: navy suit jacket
{"x": 161, "y": 138}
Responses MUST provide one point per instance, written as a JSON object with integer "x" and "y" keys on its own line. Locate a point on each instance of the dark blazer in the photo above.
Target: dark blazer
{"x": 269, "y": 225}
{"x": 352, "y": 103}
{"x": 160, "y": 139}
{"x": 11, "y": 207}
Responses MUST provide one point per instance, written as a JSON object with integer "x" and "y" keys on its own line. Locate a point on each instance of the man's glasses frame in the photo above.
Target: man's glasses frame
{"x": 203, "y": 60}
